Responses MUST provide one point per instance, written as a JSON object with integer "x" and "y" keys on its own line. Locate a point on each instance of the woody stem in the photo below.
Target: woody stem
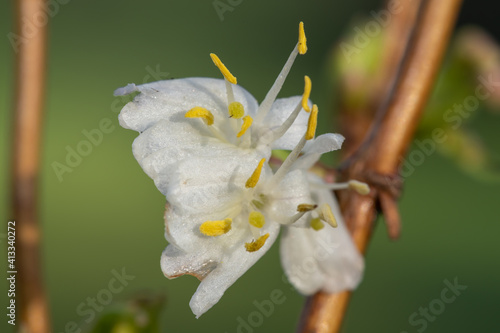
{"x": 324, "y": 313}
{"x": 28, "y": 105}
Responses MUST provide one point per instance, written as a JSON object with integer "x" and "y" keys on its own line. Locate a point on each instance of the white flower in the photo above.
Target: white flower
{"x": 206, "y": 143}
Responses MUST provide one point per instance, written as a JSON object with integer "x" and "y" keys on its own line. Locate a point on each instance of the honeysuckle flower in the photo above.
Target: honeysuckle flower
{"x": 207, "y": 143}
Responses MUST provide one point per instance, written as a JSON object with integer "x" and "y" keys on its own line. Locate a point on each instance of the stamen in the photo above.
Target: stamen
{"x": 287, "y": 164}
{"x": 307, "y": 93}
{"x": 255, "y": 232}
{"x": 229, "y": 92}
{"x": 306, "y": 207}
{"x": 247, "y": 122}
{"x": 256, "y": 219}
{"x": 325, "y": 213}
{"x": 292, "y": 219}
{"x": 356, "y": 185}
{"x": 256, "y": 244}
{"x": 254, "y": 178}
{"x": 265, "y": 106}
{"x": 302, "y": 39}
{"x": 360, "y": 187}
{"x": 316, "y": 224}
{"x": 334, "y": 186}
{"x": 223, "y": 69}
{"x": 216, "y": 228}
{"x": 292, "y": 157}
{"x": 280, "y": 131}
{"x": 312, "y": 123}
{"x": 199, "y": 112}
{"x": 236, "y": 110}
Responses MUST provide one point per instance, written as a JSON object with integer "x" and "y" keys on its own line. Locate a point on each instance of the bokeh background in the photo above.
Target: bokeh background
{"x": 107, "y": 215}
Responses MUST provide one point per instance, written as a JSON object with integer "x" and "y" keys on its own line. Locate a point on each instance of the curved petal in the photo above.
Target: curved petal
{"x": 315, "y": 148}
{"x": 231, "y": 267}
{"x": 164, "y": 99}
{"x": 324, "y": 260}
{"x": 280, "y": 111}
{"x": 324, "y": 143}
{"x": 176, "y": 262}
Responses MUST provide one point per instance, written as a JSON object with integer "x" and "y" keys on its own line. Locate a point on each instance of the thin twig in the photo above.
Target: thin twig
{"x": 388, "y": 79}
{"x": 28, "y": 105}
{"x": 323, "y": 312}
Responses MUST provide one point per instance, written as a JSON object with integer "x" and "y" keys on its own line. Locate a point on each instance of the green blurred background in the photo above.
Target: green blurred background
{"x": 107, "y": 215}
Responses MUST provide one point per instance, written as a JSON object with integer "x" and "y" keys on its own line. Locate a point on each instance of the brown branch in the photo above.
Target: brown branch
{"x": 28, "y": 105}
{"x": 397, "y": 37}
{"x": 419, "y": 74}
{"x": 323, "y": 312}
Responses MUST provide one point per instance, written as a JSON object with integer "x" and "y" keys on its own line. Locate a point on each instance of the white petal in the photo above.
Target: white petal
{"x": 128, "y": 89}
{"x": 280, "y": 111}
{"x": 183, "y": 231}
{"x": 315, "y": 148}
{"x": 161, "y": 147}
{"x": 164, "y": 99}
{"x": 205, "y": 184}
{"x": 207, "y": 189}
{"x": 324, "y": 260}
{"x": 217, "y": 261}
{"x": 305, "y": 162}
{"x": 176, "y": 262}
{"x": 299, "y": 262}
{"x": 232, "y": 266}
{"x": 292, "y": 191}
{"x": 324, "y": 143}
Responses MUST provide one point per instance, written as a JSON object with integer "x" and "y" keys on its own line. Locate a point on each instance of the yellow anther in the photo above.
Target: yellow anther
{"x": 307, "y": 93}
{"x": 256, "y": 244}
{"x": 199, "y": 112}
{"x": 302, "y": 39}
{"x": 306, "y": 207}
{"x": 223, "y": 69}
{"x": 256, "y": 219}
{"x": 316, "y": 224}
{"x": 254, "y": 178}
{"x": 360, "y": 187}
{"x": 312, "y": 123}
{"x": 216, "y": 228}
{"x": 247, "y": 122}
{"x": 236, "y": 110}
{"x": 326, "y": 214}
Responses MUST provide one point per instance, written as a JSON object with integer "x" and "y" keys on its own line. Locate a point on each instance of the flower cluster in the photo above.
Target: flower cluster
{"x": 207, "y": 144}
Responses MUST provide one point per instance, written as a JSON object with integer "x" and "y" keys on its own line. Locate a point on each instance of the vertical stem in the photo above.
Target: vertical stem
{"x": 324, "y": 313}
{"x": 28, "y": 106}
{"x": 419, "y": 73}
